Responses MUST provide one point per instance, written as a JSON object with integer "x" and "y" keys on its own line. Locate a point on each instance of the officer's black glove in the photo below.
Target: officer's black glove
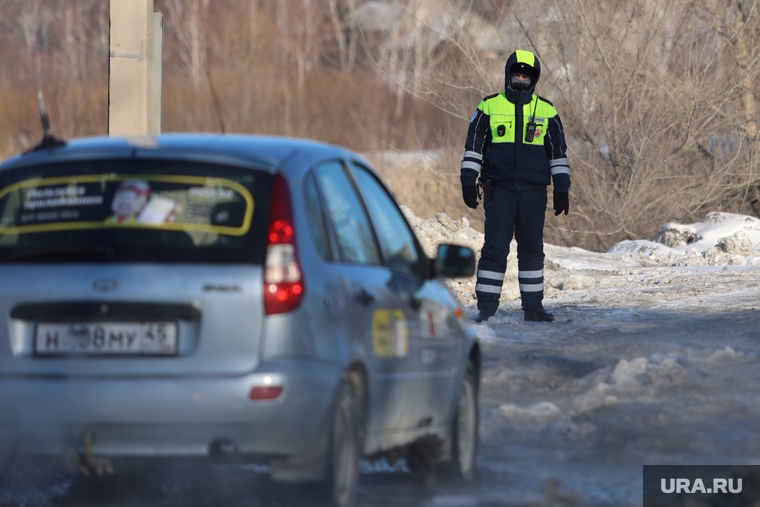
{"x": 561, "y": 203}
{"x": 470, "y": 195}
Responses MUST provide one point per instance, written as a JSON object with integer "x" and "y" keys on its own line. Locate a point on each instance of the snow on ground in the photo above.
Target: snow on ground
{"x": 653, "y": 359}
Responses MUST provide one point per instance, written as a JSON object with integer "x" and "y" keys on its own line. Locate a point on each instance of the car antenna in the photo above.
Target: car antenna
{"x": 48, "y": 139}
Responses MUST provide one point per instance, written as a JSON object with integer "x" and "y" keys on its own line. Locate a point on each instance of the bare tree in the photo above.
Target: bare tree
{"x": 657, "y": 98}
{"x": 305, "y": 49}
{"x": 643, "y": 123}
{"x": 639, "y": 119}
{"x": 344, "y": 30}
{"x": 738, "y": 24}
{"x": 186, "y": 16}
{"x": 78, "y": 37}
{"x": 283, "y": 26}
{"x": 34, "y": 21}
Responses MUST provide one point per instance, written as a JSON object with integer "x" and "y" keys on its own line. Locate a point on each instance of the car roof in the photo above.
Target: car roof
{"x": 264, "y": 152}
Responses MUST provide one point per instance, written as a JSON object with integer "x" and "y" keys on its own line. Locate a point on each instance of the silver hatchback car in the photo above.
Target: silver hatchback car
{"x": 245, "y": 298}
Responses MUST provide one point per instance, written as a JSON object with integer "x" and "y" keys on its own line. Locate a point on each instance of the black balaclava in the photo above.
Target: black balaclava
{"x": 521, "y": 62}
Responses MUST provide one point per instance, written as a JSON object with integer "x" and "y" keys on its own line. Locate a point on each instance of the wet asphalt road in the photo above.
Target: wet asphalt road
{"x": 569, "y": 414}
{"x": 186, "y": 483}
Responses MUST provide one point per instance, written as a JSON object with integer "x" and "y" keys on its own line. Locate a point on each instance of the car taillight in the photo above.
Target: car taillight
{"x": 283, "y": 282}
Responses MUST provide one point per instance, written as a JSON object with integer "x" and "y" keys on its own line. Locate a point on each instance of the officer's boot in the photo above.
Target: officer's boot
{"x": 484, "y": 315}
{"x": 533, "y": 309}
{"x": 537, "y": 315}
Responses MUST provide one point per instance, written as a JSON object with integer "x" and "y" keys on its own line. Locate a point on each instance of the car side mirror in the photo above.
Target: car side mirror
{"x": 454, "y": 261}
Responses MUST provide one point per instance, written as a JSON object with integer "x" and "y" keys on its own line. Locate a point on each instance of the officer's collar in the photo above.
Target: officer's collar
{"x": 515, "y": 97}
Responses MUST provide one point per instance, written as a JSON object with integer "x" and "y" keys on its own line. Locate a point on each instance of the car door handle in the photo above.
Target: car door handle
{"x": 364, "y": 297}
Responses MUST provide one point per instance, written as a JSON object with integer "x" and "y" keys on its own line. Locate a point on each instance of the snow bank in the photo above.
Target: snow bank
{"x": 727, "y": 355}
{"x": 443, "y": 229}
{"x": 541, "y": 413}
{"x": 721, "y": 239}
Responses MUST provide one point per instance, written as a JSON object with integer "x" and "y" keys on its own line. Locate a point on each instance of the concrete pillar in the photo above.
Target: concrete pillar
{"x": 132, "y": 80}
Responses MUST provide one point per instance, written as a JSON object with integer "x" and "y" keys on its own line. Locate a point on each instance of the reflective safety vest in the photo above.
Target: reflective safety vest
{"x": 504, "y": 119}
{"x": 519, "y": 146}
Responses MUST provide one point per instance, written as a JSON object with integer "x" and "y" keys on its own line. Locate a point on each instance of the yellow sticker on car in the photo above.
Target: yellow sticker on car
{"x": 196, "y": 204}
{"x": 390, "y": 333}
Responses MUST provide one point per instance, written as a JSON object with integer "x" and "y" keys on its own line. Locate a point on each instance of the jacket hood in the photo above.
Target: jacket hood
{"x": 528, "y": 64}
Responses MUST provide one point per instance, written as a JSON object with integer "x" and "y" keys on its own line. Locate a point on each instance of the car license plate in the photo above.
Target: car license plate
{"x": 143, "y": 338}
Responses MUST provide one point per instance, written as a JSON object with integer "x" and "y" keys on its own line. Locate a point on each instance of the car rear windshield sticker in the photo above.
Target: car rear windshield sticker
{"x": 390, "y": 335}
{"x": 179, "y": 203}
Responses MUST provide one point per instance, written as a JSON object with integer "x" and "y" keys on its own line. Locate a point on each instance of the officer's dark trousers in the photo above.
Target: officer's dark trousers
{"x": 521, "y": 214}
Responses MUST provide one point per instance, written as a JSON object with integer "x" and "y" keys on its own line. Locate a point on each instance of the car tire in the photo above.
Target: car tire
{"x": 461, "y": 468}
{"x": 340, "y": 486}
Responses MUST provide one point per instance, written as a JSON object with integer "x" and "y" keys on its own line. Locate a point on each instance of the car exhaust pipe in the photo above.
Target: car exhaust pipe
{"x": 224, "y": 450}
{"x": 87, "y": 462}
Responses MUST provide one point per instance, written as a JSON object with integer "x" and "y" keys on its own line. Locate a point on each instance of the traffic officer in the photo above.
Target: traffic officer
{"x": 516, "y": 144}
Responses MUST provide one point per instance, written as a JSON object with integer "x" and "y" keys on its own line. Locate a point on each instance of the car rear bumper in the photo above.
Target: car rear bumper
{"x": 170, "y": 416}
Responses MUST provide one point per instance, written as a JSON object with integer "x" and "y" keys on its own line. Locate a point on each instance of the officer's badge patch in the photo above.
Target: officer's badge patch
{"x": 475, "y": 114}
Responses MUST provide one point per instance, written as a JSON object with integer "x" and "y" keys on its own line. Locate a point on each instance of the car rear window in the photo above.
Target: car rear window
{"x": 134, "y": 211}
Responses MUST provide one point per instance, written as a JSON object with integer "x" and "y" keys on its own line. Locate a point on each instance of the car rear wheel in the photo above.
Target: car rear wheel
{"x": 341, "y": 483}
{"x": 464, "y": 431}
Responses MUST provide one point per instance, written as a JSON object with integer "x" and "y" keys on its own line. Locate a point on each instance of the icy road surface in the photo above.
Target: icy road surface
{"x": 654, "y": 359}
